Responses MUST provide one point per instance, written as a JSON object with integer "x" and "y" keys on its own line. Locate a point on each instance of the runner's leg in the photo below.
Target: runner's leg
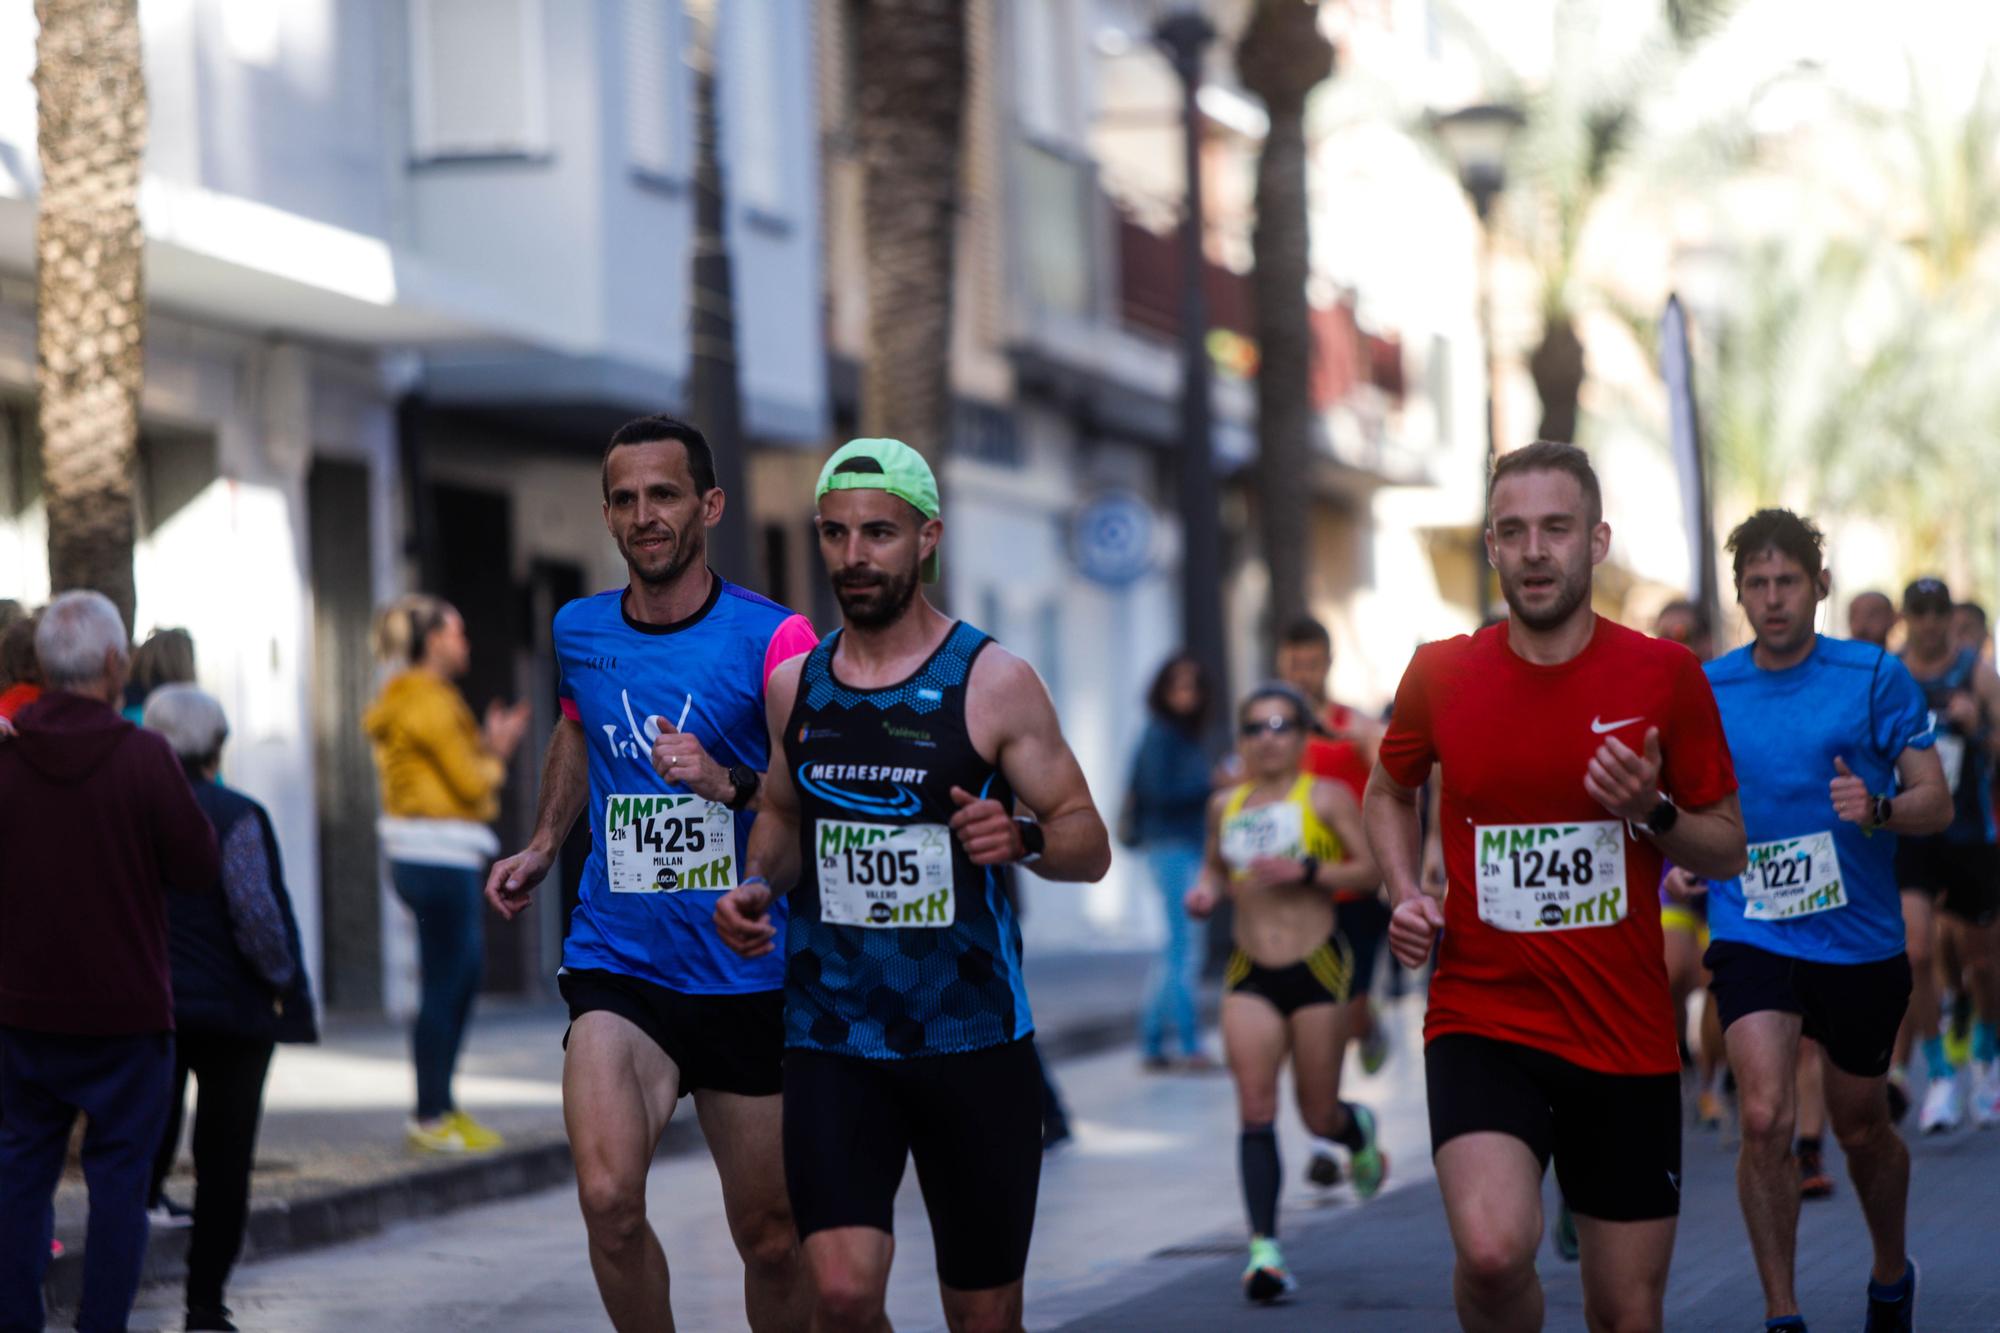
{"x": 1317, "y": 1039}
{"x": 850, "y": 1278}
{"x": 1763, "y": 1050}
{"x": 1254, "y": 1040}
{"x": 745, "y": 1136}
{"x": 1920, "y": 935}
{"x": 619, "y": 1092}
{"x": 1625, "y": 1273}
{"x": 1492, "y": 1186}
{"x": 1877, "y": 1159}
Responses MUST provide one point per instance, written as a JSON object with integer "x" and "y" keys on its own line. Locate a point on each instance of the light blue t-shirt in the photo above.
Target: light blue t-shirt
{"x": 659, "y": 858}
{"x": 1847, "y": 699}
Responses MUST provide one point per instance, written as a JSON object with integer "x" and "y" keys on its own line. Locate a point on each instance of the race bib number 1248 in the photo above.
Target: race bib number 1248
{"x": 1535, "y": 877}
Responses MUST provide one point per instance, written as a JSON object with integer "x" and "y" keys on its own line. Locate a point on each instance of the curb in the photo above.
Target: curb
{"x": 296, "y": 1225}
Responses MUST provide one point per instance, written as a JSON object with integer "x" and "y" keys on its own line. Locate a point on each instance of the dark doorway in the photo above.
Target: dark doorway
{"x": 551, "y": 584}
{"x": 350, "y": 969}
{"x": 473, "y": 555}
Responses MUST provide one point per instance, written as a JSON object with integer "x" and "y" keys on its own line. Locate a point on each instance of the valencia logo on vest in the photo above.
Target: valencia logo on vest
{"x": 887, "y": 791}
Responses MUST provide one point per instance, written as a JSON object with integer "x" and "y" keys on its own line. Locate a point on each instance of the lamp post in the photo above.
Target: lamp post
{"x": 1183, "y": 33}
{"x": 1477, "y": 138}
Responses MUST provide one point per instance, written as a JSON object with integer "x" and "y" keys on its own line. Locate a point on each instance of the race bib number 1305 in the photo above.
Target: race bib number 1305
{"x": 1535, "y": 877}
{"x": 885, "y": 876}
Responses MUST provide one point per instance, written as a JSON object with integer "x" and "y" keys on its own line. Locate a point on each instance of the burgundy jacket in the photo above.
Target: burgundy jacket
{"x": 96, "y": 822}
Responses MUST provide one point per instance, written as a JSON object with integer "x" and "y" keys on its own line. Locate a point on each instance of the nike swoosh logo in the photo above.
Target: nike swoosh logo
{"x": 1604, "y": 728}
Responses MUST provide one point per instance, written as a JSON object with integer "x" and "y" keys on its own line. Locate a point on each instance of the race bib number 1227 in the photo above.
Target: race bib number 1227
{"x": 1535, "y": 877}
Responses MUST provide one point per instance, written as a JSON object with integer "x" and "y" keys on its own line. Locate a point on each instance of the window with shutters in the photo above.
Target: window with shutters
{"x": 653, "y": 88}
{"x": 761, "y": 105}
{"x": 478, "y": 79}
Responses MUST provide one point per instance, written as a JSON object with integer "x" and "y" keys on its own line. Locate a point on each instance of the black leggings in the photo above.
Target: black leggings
{"x": 229, "y": 1099}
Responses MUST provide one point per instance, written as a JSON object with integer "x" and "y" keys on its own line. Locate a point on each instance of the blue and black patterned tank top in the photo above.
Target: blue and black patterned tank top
{"x": 1967, "y": 767}
{"x": 898, "y": 945}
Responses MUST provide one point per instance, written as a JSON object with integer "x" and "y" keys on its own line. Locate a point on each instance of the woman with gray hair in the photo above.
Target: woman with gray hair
{"x": 239, "y": 987}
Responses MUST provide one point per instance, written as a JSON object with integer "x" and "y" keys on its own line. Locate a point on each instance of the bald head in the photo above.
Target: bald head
{"x": 1870, "y": 617}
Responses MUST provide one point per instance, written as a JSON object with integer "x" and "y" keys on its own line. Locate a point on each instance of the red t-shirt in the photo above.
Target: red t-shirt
{"x": 1514, "y": 740}
{"x": 1338, "y": 760}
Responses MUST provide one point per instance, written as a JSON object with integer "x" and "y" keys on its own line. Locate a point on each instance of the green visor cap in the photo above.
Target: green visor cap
{"x": 884, "y": 465}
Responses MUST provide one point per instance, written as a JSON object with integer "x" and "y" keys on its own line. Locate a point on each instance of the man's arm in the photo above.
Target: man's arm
{"x": 510, "y": 885}
{"x": 1922, "y": 807}
{"x": 1009, "y": 709}
{"x": 1707, "y": 840}
{"x": 1389, "y": 818}
{"x": 771, "y": 863}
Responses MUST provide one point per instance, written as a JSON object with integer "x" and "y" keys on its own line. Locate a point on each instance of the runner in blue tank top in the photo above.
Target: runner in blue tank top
{"x": 1808, "y": 942}
{"x": 909, "y": 741}
{"x": 663, "y": 745}
{"x": 1951, "y": 880}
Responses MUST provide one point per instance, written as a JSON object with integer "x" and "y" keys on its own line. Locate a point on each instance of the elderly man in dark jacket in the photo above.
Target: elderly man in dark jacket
{"x": 97, "y": 820}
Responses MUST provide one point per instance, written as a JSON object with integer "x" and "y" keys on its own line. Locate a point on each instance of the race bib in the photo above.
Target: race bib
{"x": 1951, "y": 753}
{"x": 1792, "y": 877}
{"x": 885, "y": 876}
{"x": 1535, "y": 877}
{"x": 1278, "y": 829}
{"x": 665, "y": 844}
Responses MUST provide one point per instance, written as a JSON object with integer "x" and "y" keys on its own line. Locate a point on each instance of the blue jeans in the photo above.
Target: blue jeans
{"x": 121, "y": 1084}
{"x": 1170, "y": 998}
{"x": 446, "y": 900}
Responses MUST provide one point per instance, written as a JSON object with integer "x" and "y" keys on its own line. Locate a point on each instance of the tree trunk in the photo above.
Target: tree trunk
{"x": 1557, "y": 366}
{"x": 1281, "y": 57}
{"x": 714, "y": 390}
{"x": 90, "y": 300}
{"x": 909, "y": 126}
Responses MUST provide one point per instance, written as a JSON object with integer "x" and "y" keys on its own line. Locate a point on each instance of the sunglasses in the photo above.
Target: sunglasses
{"x": 1270, "y": 726}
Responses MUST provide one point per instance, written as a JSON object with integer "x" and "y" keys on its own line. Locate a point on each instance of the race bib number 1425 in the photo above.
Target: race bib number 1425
{"x": 667, "y": 844}
{"x": 1534, "y": 877}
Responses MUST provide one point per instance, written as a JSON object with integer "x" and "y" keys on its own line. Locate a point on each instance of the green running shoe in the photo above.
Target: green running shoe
{"x": 1368, "y": 1166}
{"x": 1374, "y": 1046}
{"x": 1267, "y": 1279}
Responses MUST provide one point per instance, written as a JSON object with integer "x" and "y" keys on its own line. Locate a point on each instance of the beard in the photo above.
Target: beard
{"x": 666, "y": 567}
{"x": 1572, "y": 590}
{"x": 874, "y": 600}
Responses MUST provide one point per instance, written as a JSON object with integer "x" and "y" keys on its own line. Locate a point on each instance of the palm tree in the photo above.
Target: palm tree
{"x": 1281, "y": 57}
{"x": 910, "y": 117}
{"x": 90, "y": 299}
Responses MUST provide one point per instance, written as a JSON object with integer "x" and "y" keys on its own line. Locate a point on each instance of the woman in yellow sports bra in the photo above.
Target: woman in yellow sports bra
{"x": 1281, "y": 844}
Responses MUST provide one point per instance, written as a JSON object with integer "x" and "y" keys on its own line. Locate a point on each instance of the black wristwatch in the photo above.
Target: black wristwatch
{"x": 1033, "y": 841}
{"x": 1310, "y": 864}
{"x": 1663, "y": 818}
{"x": 746, "y": 780}
{"x": 1884, "y": 811}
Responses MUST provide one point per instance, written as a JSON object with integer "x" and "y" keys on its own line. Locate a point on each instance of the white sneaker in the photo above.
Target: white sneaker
{"x": 1942, "y": 1100}
{"x": 1986, "y": 1094}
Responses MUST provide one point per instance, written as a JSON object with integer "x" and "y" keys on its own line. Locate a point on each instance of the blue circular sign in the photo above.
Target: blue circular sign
{"x": 1112, "y": 539}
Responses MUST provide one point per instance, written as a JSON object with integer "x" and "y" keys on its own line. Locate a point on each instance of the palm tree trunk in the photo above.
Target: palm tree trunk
{"x": 908, "y": 128}
{"x": 1281, "y": 57}
{"x": 1558, "y": 369}
{"x": 90, "y": 299}
{"x": 714, "y": 390}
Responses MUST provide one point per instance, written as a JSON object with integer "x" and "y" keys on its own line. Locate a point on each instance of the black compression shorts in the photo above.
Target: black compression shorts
{"x": 730, "y": 1043}
{"x": 1961, "y": 877}
{"x": 1616, "y": 1138}
{"x": 973, "y": 1122}
{"x": 1852, "y": 1009}
{"x": 1324, "y": 976}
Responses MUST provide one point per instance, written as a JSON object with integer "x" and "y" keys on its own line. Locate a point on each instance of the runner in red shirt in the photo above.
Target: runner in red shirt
{"x": 1575, "y": 753}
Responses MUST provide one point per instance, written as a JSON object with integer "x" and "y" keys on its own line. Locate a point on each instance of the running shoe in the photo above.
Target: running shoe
{"x": 167, "y": 1213}
{"x": 1266, "y": 1279}
{"x": 1957, "y": 1028}
{"x": 1323, "y": 1169}
{"x": 1814, "y": 1182}
{"x": 1941, "y": 1104}
{"x": 443, "y": 1137}
{"x": 478, "y": 1138}
{"x": 1708, "y": 1110}
{"x": 1563, "y": 1234}
{"x": 1899, "y": 1096}
{"x": 1375, "y": 1046}
{"x": 1986, "y": 1094}
{"x": 1368, "y": 1165}
{"x": 210, "y": 1318}
{"x": 1898, "y": 1313}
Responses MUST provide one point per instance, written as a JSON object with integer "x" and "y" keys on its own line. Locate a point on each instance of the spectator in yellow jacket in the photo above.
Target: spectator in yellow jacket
{"x": 440, "y": 775}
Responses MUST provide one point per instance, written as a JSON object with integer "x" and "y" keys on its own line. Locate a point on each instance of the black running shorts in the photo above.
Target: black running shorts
{"x": 728, "y": 1043}
{"x": 1961, "y": 877}
{"x": 1616, "y": 1138}
{"x": 1324, "y": 976}
{"x": 972, "y": 1121}
{"x": 1852, "y": 1009}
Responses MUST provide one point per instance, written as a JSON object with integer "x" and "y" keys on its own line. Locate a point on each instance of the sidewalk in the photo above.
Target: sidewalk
{"x": 1386, "y": 1265}
{"x": 332, "y": 1165}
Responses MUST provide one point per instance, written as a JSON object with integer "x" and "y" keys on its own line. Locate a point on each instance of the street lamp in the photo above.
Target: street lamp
{"x": 1477, "y": 138}
{"x": 1183, "y": 33}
